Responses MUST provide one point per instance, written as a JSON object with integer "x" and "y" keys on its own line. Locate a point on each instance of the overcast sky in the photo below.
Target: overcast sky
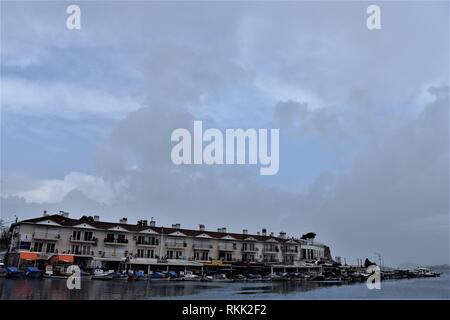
{"x": 363, "y": 118}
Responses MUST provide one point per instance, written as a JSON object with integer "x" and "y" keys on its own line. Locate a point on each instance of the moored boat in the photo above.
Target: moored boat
{"x": 190, "y": 276}
{"x": 14, "y": 273}
{"x": 99, "y": 274}
{"x": 33, "y": 273}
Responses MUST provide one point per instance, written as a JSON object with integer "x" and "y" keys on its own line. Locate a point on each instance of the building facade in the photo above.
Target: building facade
{"x": 94, "y": 243}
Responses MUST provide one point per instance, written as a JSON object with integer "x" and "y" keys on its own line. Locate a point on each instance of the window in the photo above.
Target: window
{"x": 248, "y": 246}
{"x": 88, "y": 236}
{"x": 149, "y": 254}
{"x": 38, "y": 246}
{"x": 50, "y": 248}
{"x": 121, "y": 238}
{"x": 171, "y": 254}
{"x": 140, "y": 253}
{"x": 86, "y": 250}
{"x": 76, "y": 235}
{"x": 75, "y": 249}
{"x": 248, "y": 257}
{"x": 205, "y": 255}
{"x": 201, "y": 255}
{"x": 110, "y": 237}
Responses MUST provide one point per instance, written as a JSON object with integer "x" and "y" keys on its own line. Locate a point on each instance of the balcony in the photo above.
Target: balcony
{"x": 250, "y": 249}
{"x": 290, "y": 251}
{"x": 271, "y": 250}
{"x": 176, "y": 244}
{"x": 146, "y": 243}
{"x": 92, "y": 240}
{"x": 114, "y": 255}
{"x": 111, "y": 241}
{"x": 46, "y": 236}
{"x": 81, "y": 253}
{"x": 202, "y": 246}
{"x": 226, "y": 247}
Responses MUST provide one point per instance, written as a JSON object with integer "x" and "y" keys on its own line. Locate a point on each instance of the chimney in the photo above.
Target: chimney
{"x": 96, "y": 218}
{"x": 264, "y": 232}
{"x": 176, "y": 226}
{"x": 224, "y": 230}
{"x": 282, "y": 235}
{"x": 271, "y": 234}
{"x": 152, "y": 223}
{"x": 124, "y": 220}
{"x": 44, "y": 214}
{"x": 245, "y": 231}
{"x": 201, "y": 227}
{"x": 257, "y": 233}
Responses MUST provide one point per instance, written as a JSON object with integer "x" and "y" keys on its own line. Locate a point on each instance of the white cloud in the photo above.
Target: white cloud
{"x": 54, "y": 190}
{"x": 63, "y": 99}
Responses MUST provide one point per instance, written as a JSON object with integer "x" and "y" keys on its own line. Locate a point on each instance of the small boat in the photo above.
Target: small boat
{"x": 426, "y": 272}
{"x": 119, "y": 276}
{"x": 99, "y": 274}
{"x": 239, "y": 277}
{"x": 14, "y": 273}
{"x": 220, "y": 277}
{"x": 33, "y": 273}
{"x": 158, "y": 276}
{"x": 317, "y": 278}
{"x": 254, "y": 277}
{"x": 190, "y": 276}
{"x": 172, "y": 275}
{"x": 138, "y": 276}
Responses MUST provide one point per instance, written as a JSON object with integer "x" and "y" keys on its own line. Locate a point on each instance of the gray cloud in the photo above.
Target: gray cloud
{"x": 356, "y": 93}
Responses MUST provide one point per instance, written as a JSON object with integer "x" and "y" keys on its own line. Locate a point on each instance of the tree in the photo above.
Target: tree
{"x": 368, "y": 263}
{"x": 87, "y": 218}
{"x": 309, "y": 236}
{"x": 4, "y": 234}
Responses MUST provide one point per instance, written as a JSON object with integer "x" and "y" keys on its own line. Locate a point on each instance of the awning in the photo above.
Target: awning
{"x": 29, "y": 256}
{"x": 62, "y": 258}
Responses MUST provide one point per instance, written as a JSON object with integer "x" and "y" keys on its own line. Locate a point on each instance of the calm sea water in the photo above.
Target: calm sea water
{"x": 426, "y": 288}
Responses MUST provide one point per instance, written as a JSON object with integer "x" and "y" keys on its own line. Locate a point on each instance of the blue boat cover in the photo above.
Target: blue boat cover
{"x": 11, "y": 269}
{"x": 157, "y": 275}
{"x": 32, "y": 269}
{"x": 139, "y": 273}
{"x": 172, "y": 274}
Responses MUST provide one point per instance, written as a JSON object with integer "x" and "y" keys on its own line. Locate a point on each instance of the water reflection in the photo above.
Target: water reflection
{"x": 56, "y": 289}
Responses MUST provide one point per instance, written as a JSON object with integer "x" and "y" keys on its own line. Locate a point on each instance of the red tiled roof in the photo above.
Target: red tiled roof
{"x": 64, "y": 221}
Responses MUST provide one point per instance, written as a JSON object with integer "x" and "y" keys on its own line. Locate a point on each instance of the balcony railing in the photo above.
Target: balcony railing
{"x": 250, "y": 249}
{"x": 141, "y": 242}
{"x": 81, "y": 253}
{"x": 226, "y": 247}
{"x": 46, "y": 236}
{"x": 290, "y": 251}
{"x": 116, "y": 241}
{"x": 83, "y": 240}
{"x": 271, "y": 250}
{"x": 176, "y": 244}
{"x": 113, "y": 255}
{"x": 202, "y": 246}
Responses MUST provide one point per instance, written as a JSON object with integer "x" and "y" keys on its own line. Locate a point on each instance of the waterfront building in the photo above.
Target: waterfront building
{"x": 90, "y": 243}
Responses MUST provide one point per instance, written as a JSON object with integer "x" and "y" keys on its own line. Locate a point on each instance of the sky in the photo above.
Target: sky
{"x": 87, "y": 115}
